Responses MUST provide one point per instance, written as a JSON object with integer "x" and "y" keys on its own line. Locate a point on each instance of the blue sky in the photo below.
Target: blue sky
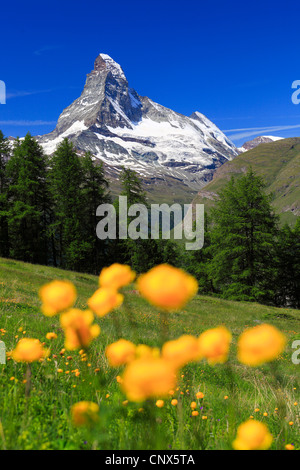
{"x": 233, "y": 61}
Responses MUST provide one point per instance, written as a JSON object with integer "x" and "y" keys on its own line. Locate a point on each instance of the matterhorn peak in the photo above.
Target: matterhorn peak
{"x": 121, "y": 128}
{"x": 105, "y": 63}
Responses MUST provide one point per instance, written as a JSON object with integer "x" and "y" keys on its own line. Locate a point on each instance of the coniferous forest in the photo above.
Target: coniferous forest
{"x": 48, "y": 216}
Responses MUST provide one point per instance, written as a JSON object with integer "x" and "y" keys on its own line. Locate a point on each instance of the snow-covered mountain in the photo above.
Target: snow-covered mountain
{"x": 122, "y": 128}
{"x": 263, "y": 139}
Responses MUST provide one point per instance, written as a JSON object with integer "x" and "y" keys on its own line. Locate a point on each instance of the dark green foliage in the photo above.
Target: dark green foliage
{"x": 28, "y": 202}
{"x": 94, "y": 191}
{"x": 141, "y": 254}
{"x": 77, "y": 188}
{"x": 288, "y": 266}
{"x": 132, "y": 187}
{"x": 197, "y": 262}
{"x": 242, "y": 241}
{"x": 4, "y": 236}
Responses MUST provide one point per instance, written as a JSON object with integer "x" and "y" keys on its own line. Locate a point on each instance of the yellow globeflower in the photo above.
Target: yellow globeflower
{"x": 167, "y": 287}
{"x": 142, "y": 350}
{"x": 84, "y": 413}
{"x": 260, "y": 344}
{"x": 147, "y": 378}
{"x": 78, "y": 328}
{"x": 182, "y": 350}
{"x": 160, "y": 403}
{"x": 57, "y": 296}
{"x": 120, "y": 352}
{"x": 104, "y": 300}
{"x": 116, "y": 276}
{"x": 51, "y": 335}
{"x": 252, "y": 435}
{"x": 214, "y": 345}
{"x": 29, "y": 350}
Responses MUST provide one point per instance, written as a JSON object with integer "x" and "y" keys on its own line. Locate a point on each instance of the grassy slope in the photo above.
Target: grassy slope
{"x": 44, "y": 422}
{"x": 278, "y": 163}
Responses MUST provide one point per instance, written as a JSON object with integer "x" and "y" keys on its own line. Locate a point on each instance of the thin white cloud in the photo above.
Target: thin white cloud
{"x": 20, "y": 93}
{"x": 45, "y": 49}
{"x": 27, "y": 123}
{"x": 251, "y": 131}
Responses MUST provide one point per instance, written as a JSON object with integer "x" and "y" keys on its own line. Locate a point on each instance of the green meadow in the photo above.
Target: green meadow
{"x": 43, "y": 420}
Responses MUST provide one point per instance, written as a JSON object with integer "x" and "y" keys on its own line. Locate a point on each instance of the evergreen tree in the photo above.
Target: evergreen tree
{"x": 27, "y": 222}
{"x": 288, "y": 266}
{"x": 197, "y": 262}
{"x": 120, "y": 250}
{"x": 66, "y": 178}
{"x": 141, "y": 254}
{"x": 94, "y": 192}
{"x": 132, "y": 187}
{"x": 4, "y": 156}
{"x": 243, "y": 238}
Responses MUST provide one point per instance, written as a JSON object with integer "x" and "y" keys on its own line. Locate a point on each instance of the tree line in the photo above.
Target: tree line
{"x": 48, "y": 216}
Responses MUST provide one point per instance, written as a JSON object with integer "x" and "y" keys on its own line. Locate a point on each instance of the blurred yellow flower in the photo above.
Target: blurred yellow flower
{"x": 214, "y": 345}
{"x": 78, "y": 328}
{"x": 195, "y": 413}
{"x": 167, "y": 287}
{"x": 104, "y": 300}
{"x": 199, "y": 395}
{"x": 51, "y": 335}
{"x": 160, "y": 403}
{"x": 174, "y": 402}
{"x": 252, "y": 435}
{"x": 116, "y": 276}
{"x": 57, "y": 296}
{"x": 142, "y": 350}
{"x": 289, "y": 447}
{"x": 29, "y": 350}
{"x": 148, "y": 377}
{"x": 84, "y": 413}
{"x": 182, "y": 350}
{"x": 260, "y": 344}
{"x": 193, "y": 405}
{"x": 121, "y": 352}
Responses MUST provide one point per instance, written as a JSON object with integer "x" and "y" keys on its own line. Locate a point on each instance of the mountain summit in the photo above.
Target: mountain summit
{"x": 122, "y": 128}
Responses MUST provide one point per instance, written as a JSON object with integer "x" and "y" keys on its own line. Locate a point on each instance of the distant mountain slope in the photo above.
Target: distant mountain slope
{"x": 277, "y": 162}
{"x": 262, "y": 139}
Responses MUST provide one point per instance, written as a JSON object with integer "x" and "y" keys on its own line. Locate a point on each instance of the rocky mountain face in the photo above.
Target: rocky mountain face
{"x": 122, "y": 128}
{"x": 263, "y": 139}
